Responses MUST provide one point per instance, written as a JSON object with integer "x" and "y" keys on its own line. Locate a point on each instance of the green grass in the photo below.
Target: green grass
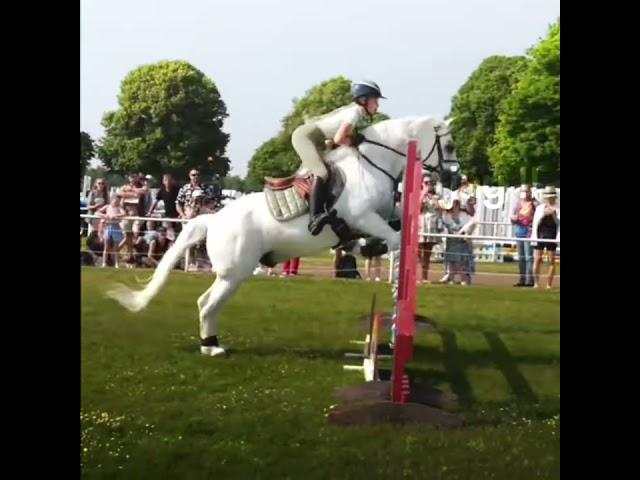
{"x": 325, "y": 260}
{"x": 152, "y": 407}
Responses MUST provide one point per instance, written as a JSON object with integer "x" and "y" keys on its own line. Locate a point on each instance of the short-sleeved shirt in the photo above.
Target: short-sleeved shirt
{"x": 331, "y": 122}
{"x": 185, "y": 194}
{"x": 169, "y": 197}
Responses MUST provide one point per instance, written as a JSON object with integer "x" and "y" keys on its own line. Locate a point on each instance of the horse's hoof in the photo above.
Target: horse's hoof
{"x": 212, "y": 351}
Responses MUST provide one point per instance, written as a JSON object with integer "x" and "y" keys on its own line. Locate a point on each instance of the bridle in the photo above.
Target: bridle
{"x": 437, "y": 146}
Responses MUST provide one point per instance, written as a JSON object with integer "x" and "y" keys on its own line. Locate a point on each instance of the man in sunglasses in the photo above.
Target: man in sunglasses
{"x": 185, "y": 195}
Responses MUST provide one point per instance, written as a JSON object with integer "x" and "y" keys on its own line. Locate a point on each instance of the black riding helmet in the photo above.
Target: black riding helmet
{"x": 365, "y": 89}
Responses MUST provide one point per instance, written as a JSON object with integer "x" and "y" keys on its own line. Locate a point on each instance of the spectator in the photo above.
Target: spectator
{"x": 546, "y": 225}
{"x": 193, "y": 209}
{"x": 198, "y": 205}
{"x": 140, "y": 248}
{"x": 430, "y": 222}
{"x": 157, "y": 248}
{"x": 522, "y": 219}
{"x": 146, "y": 181}
{"x": 372, "y": 250}
{"x": 133, "y": 195}
{"x": 458, "y": 250}
{"x": 185, "y": 195}
{"x": 217, "y": 189}
{"x": 94, "y": 252}
{"x": 151, "y": 231}
{"x": 466, "y": 196}
{"x": 113, "y": 214}
{"x": 345, "y": 265}
{"x": 142, "y": 241}
{"x": 290, "y": 267}
{"x": 98, "y": 198}
{"x": 168, "y": 193}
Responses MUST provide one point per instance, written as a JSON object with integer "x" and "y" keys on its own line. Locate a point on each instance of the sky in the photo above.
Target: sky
{"x": 262, "y": 54}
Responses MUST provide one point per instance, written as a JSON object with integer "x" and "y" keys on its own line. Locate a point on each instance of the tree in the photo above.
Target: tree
{"x": 87, "y": 151}
{"x": 475, "y": 112}
{"x": 276, "y": 157}
{"x": 170, "y": 119}
{"x": 529, "y": 131}
{"x": 320, "y": 99}
{"x": 233, "y": 183}
{"x": 112, "y": 179}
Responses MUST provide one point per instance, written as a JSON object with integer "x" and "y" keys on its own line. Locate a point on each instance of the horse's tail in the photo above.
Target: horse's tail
{"x": 193, "y": 232}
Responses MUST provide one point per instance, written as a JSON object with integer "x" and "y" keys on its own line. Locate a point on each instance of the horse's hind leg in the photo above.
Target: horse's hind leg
{"x": 234, "y": 254}
{"x": 210, "y": 304}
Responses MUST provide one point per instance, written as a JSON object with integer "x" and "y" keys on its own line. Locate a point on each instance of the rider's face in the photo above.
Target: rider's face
{"x": 371, "y": 105}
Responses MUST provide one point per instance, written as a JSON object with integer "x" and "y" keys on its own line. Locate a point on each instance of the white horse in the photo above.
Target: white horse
{"x": 240, "y": 234}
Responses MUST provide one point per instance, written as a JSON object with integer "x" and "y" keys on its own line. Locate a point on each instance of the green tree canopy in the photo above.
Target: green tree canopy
{"x": 529, "y": 130}
{"x": 475, "y": 112}
{"x": 87, "y": 151}
{"x": 233, "y": 182}
{"x": 170, "y": 119}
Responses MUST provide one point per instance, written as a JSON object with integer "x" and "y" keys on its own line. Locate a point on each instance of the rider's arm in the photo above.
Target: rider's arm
{"x": 342, "y": 136}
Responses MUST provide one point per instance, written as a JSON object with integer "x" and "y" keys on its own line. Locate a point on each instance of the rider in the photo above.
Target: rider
{"x": 335, "y": 127}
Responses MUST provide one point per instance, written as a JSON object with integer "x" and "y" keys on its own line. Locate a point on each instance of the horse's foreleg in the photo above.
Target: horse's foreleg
{"x": 375, "y": 225}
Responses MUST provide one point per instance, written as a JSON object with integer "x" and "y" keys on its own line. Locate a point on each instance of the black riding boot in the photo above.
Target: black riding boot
{"x": 318, "y": 215}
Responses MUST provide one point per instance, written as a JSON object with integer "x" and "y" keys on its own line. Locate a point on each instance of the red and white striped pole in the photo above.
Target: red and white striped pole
{"x": 406, "y": 302}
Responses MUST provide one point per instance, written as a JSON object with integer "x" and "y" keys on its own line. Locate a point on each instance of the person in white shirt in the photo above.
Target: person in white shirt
{"x": 336, "y": 127}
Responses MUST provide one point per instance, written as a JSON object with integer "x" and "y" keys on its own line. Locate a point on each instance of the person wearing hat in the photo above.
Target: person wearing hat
{"x": 546, "y": 225}
{"x": 334, "y": 128}
{"x": 522, "y": 220}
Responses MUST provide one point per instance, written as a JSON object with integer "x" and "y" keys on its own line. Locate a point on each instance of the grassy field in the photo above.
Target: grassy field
{"x": 152, "y": 407}
{"x": 325, "y": 261}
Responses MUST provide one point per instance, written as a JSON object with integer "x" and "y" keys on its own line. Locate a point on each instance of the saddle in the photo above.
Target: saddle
{"x": 288, "y": 197}
{"x": 300, "y": 183}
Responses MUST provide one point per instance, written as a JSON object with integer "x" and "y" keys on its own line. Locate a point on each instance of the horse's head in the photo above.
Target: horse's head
{"x": 386, "y": 143}
{"x": 437, "y": 150}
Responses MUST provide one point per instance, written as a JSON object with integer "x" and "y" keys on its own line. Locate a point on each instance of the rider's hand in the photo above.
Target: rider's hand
{"x": 357, "y": 139}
